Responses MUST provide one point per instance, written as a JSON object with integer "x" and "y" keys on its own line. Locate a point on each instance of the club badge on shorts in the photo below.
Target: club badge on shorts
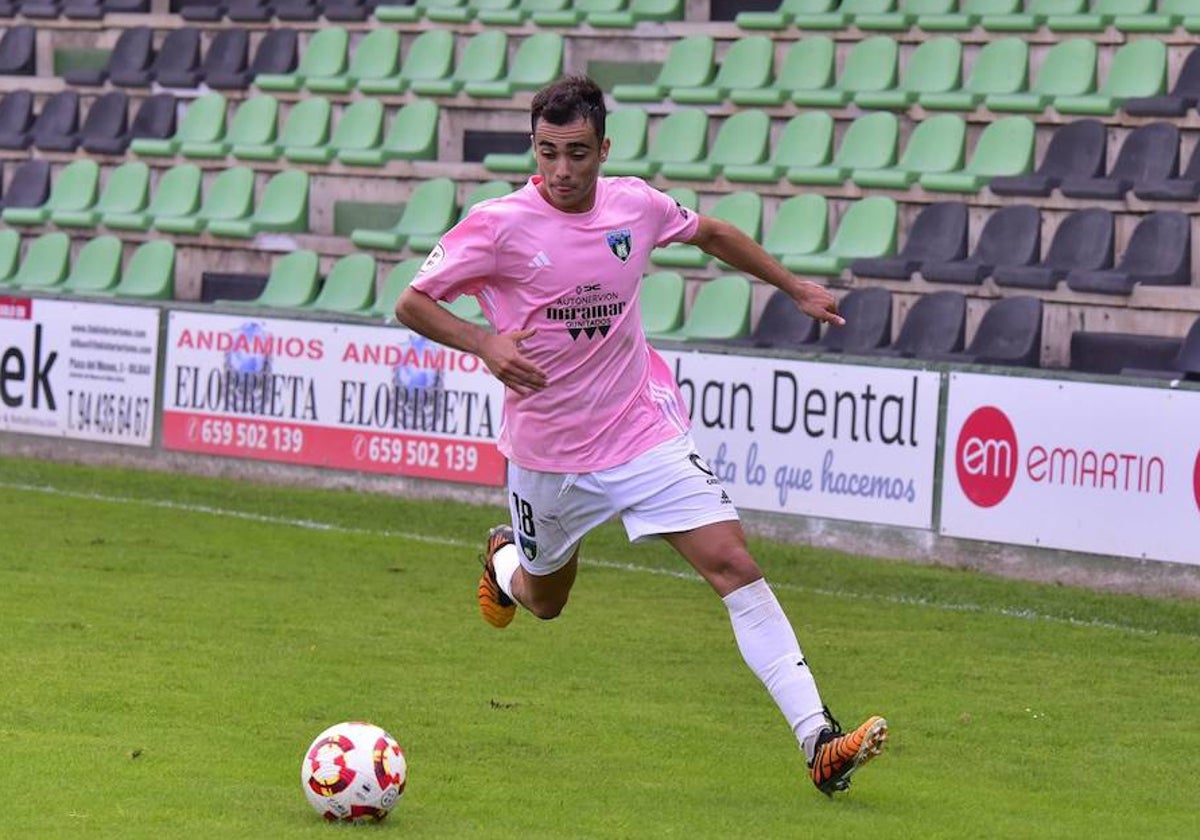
{"x": 620, "y": 242}
{"x": 528, "y": 546}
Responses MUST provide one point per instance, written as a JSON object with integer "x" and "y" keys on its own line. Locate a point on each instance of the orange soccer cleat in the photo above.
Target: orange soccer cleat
{"x": 839, "y": 754}
{"x": 497, "y": 608}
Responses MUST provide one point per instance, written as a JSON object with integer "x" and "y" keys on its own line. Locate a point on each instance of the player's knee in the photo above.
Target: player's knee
{"x": 546, "y": 609}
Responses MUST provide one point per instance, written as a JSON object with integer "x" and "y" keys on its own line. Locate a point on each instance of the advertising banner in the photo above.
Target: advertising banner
{"x": 78, "y": 370}
{"x": 1103, "y": 469}
{"x": 342, "y": 396}
{"x": 817, "y": 439}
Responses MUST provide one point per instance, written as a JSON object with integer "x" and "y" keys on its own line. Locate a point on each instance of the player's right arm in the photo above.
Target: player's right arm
{"x": 501, "y": 353}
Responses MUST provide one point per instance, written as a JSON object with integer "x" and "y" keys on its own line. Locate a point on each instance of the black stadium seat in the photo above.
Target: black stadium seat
{"x": 1010, "y": 333}
{"x": 30, "y": 185}
{"x": 83, "y": 10}
{"x": 868, "y": 314}
{"x": 18, "y": 52}
{"x": 57, "y": 125}
{"x": 1084, "y": 240}
{"x": 781, "y": 326}
{"x": 178, "y": 61}
{"x": 938, "y": 234}
{"x": 1184, "y": 365}
{"x": 1076, "y": 150}
{"x": 132, "y": 53}
{"x": 1183, "y": 97}
{"x": 1149, "y": 153}
{"x": 40, "y": 9}
{"x": 1184, "y": 188}
{"x": 1104, "y": 352}
{"x": 228, "y": 55}
{"x": 107, "y": 123}
{"x": 16, "y": 119}
{"x": 277, "y": 53}
{"x": 155, "y": 118}
{"x": 203, "y": 10}
{"x": 936, "y": 324}
{"x": 1011, "y": 236}
{"x": 1159, "y": 254}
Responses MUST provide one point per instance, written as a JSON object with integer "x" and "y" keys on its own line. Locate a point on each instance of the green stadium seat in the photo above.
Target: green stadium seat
{"x": 689, "y": 64}
{"x": 283, "y": 208}
{"x": 537, "y": 63}
{"x": 519, "y": 162}
{"x": 807, "y": 65}
{"x": 1001, "y": 67}
{"x": 177, "y": 195}
{"x": 868, "y": 143}
{"x": 10, "y": 254}
{"x": 626, "y": 129}
{"x": 254, "y": 123}
{"x": 377, "y": 56}
{"x": 801, "y": 226}
{"x": 484, "y": 59}
{"x": 398, "y": 279}
{"x": 305, "y": 127}
{"x": 412, "y": 135}
{"x": 429, "y": 57}
{"x": 1099, "y": 16}
{"x": 783, "y": 16}
{"x": 1068, "y": 69}
{"x": 127, "y": 191}
{"x": 871, "y": 65}
{"x": 576, "y": 12}
{"x": 682, "y": 137}
{"x": 74, "y": 189}
{"x": 936, "y": 144}
{"x": 843, "y": 15}
{"x": 1168, "y": 16}
{"x": 455, "y": 11}
{"x": 415, "y": 11}
{"x": 1032, "y": 17}
{"x": 935, "y": 66}
{"x": 150, "y": 272}
{"x": 741, "y": 141}
{"x": 45, "y": 263}
{"x": 323, "y": 57}
{"x": 685, "y": 197}
{"x": 661, "y": 299}
{"x": 523, "y": 10}
{"x": 747, "y": 65}
{"x": 360, "y": 128}
{"x": 1004, "y": 147}
{"x": 905, "y": 16}
{"x": 1138, "y": 68}
{"x": 637, "y": 12}
{"x": 968, "y": 15}
{"x": 867, "y": 229}
{"x": 720, "y": 310}
{"x": 423, "y": 243}
{"x": 97, "y": 267}
{"x": 743, "y": 210}
{"x": 349, "y": 288}
{"x": 202, "y": 122}
{"x": 292, "y": 283}
{"x": 806, "y": 142}
{"x": 431, "y": 210}
{"x": 230, "y": 196}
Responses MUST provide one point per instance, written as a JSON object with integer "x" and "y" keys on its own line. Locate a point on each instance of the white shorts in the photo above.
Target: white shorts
{"x": 665, "y": 490}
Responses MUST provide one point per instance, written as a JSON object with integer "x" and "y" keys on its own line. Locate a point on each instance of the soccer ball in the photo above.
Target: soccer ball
{"x": 354, "y": 772}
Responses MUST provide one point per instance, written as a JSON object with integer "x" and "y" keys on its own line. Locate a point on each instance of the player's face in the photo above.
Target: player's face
{"x": 568, "y": 159}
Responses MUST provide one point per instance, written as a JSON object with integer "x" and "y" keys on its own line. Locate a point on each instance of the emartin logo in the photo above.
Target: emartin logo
{"x": 986, "y": 456}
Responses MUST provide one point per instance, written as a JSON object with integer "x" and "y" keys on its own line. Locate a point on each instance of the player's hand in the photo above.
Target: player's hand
{"x": 502, "y": 354}
{"x": 818, "y": 303}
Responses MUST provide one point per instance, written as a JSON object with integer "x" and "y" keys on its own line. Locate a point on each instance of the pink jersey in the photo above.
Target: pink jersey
{"x": 574, "y": 277}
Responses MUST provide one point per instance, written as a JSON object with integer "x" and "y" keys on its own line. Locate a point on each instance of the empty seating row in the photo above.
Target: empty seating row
{"x": 106, "y": 129}
{"x": 295, "y": 282}
{"x": 933, "y": 76}
{"x": 253, "y": 132}
{"x": 430, "y": 211}
{"x": 96, "y": 270}
{"x": 228, "y": 207}
{"x": 1133, "y": 354}
{"x": 179, "y": 62}
{"x": 255, "y": 11}
{"x": 615, "y": 14}
{"x": 72, "y": 9}
{"x": 428, "y": 68}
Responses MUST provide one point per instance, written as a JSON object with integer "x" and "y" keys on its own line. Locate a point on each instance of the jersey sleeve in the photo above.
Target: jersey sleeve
{"x": 677, "y": 223}
{"x": 462, "y": 261}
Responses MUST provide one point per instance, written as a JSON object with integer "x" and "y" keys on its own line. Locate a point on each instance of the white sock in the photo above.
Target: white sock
{"x": 505, "y": 562}
{"x": 769, "y": 646}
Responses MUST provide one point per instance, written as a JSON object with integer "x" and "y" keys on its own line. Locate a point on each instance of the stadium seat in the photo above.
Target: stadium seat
{"x": 741, "y": 141}
{"x": 1183, "y": 97}
{"x": 1168, "y": 16}
{"x": 842, "y": 16}
{"x": 155, "y": 120}
{"x": 519, "y": 162}
{"x": 1078, "y": 149}
{"x": 1184, "y": 188}
{"x": 18, "y": 51}
{"x": 431, "y": 210}
{"x": 29, "y": 186}
{"x": 1084, "y": 241}
{"x": 397, "y": 281}
{"x": 938, "y": 234}
{"x": 430, "y": 57}
{"x": 661, "y": 299}
{"x": 283, "y": 208}
{"x": 968, "y": 15}
{"x": 784, "y": 14}
{"x": 1009, "y": 333}
{"x": 228, "y": 55}
{"x": 45, "y": 262}
{"x": 867, "y": 229}
{"x": 126, "y": 191}
{"x": 720, "y": 310}
{"x": 1032, "y": 17}
{"x": 1149, "y": 153}
{"x": 1001, "y": 67}
{"x": 16, "y": 119}
{"x": 177, "y": 195}
{"x": 292, "y": 283}
{"x": 1159, "y": 254}
{"x": 638, "y": 11}
{"x": 107, "y": 122}
{"x": 1100, "y": 15}
{"x": 1131, "y": 354}
{"x": 277, "y": 54}
{"x": 96, "y": 268}
{"x": 626, "y": 129}
{"x": 1138, "y": 69}
{"x": 937, "y": 144}
{"x": 682, "y": 137}
{"x": 805, "y": 143}
{"x": 230, "y": 196}
{"x": 253, "y": 124}
{"x": 808, "y": 64}
{"x": 10, "y": 254}
{"x": 743, "y": 210}
{"x": 324, "y": 56}
{"x": 801, "y": 226}
{"x": 412, "y": 12}
{"x": 467, "y": 307}
{"x": 781, "y": 326}
{"x": 456, "y": 11}
{"x": 150, "y": 272}
{"x": 484, "y": 58}
{"x": 1068, "y": 69}
{"x": 423, "y": 243}
{"x": 306, "y": 127}
{"x": 376, "y": 56}
{"x": 177, "y": 63}
{"x": 936, "y": 324}
{"x": 1011, "y": 235}
{"x": 56, "y": 128}
{"x": 574, "y": 12}
{"x": 203, "y": 122}
{"x": 904, "y": 16}
{"x": 74, "y": 188}
{"x": 868, "y": 314}
{"x": 349, "y": 288}
{"x": 871, "y": 65}
{"x": 1184, "y": 364}
{"x": 747, "y": 65}
{"x": 359, "y": 128}
{"x": 1004, "y": 147}
{"x": 868, "y": 143}
{"x": 935, "y": 66}
{"x": 689, "y": 64}
{"x": 132, "y": 53}
{"x": 412, "y": 135}
{"x": 538, "y": 62}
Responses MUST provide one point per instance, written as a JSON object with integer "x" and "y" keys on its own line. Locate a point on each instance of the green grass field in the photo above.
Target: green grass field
{"x": 172, "y": 644}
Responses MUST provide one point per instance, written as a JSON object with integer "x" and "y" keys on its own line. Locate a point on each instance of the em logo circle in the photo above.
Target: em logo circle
{"x": 985, "y": 457}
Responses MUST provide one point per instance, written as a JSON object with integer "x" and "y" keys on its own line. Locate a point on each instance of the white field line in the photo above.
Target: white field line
{"x": 329, "y": 527}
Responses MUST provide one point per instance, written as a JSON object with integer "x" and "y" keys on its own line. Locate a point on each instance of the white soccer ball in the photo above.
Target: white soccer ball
{"x": 354, "y": 772}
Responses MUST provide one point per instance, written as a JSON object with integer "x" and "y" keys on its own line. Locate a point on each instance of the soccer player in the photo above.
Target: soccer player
{"x": 594, "y": 425}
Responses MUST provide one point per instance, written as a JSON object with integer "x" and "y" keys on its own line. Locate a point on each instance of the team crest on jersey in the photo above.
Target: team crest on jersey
{"x": 620, "y": 242}
{"x": 434, "y": 259}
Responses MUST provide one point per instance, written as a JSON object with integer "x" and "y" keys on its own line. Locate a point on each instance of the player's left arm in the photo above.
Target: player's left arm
{"x": 728, "y": 244}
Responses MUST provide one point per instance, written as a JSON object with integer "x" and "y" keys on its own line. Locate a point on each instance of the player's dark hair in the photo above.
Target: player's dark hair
{"x": 567, "y": 100}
